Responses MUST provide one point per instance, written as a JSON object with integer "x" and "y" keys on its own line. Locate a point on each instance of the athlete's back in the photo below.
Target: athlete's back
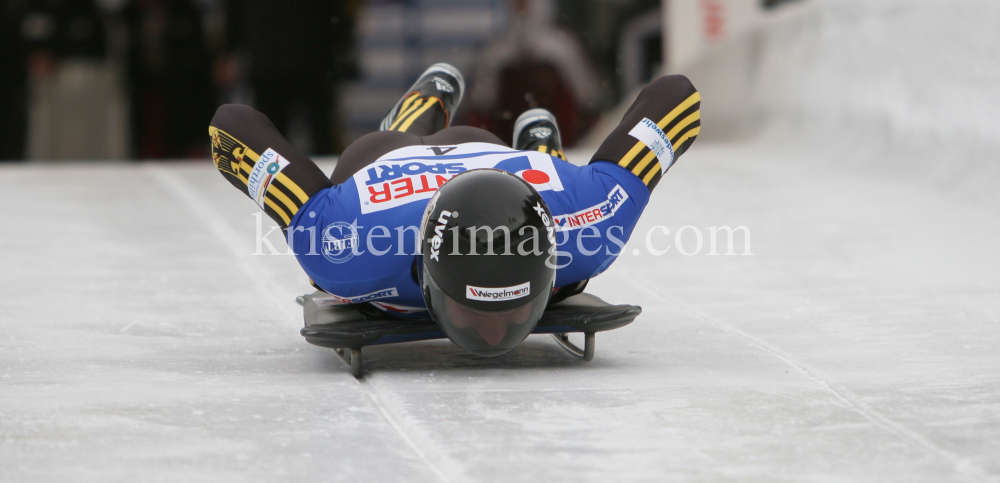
{"x": 358, "y": 240}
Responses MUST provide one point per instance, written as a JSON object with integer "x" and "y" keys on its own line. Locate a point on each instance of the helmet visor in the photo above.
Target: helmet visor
{"x": 483, "y": 332}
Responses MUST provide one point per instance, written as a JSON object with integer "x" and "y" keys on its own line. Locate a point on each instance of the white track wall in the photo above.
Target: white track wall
{"x": 908, "y": 86}
{"x": 696, "y": 27}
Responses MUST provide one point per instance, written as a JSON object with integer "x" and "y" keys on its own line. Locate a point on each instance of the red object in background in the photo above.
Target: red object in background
{"x": 714, "y": 19}
{"x": 527, "y": 84}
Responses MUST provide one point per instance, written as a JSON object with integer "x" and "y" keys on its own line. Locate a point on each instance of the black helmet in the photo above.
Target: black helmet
{"x": 486, "y": 278}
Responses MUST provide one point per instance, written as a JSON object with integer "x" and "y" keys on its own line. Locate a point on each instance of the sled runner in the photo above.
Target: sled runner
{"x": 348, "y": 328}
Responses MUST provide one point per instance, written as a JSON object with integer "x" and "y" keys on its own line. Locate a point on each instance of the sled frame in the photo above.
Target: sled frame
{"x": 347, "y": 329}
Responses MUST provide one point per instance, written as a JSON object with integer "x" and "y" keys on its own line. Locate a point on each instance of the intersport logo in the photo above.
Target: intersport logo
{"x": 595, "y": 214}
{"x": 415, "y": 172}
{"x": 497, "y": 294}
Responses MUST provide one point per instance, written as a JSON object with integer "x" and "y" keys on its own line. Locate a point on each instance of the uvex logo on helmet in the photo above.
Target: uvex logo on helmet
{"x": 439, "y": 233}
{"x": 547, "y": 221}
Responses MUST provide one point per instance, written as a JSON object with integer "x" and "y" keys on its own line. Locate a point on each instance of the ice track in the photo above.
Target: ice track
{"x": 140, "y": 339}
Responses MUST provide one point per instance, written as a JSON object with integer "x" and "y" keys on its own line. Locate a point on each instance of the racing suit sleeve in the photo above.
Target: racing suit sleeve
{"x": 252, "y": 155}
{"x": 660, "y": 125}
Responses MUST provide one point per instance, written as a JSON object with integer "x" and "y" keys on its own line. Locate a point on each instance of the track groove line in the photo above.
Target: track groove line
{"x": 207, "y": 215}
{"x": 963, "y": 466}
{"x": 373, "y": 393}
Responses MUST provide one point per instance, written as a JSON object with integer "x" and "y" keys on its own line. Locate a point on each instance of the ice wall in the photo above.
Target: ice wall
{"x": 912, "y": 87}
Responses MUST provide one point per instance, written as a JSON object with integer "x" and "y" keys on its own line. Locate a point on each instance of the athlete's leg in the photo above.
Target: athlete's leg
{"x": 370, "y": 147}
{"x": 421, "y": 116}
{"x": 667, "y": 109}
{"x": 537, "y": 130}
{"x": 428, "y": 105}
{"x": 282, "y": 181}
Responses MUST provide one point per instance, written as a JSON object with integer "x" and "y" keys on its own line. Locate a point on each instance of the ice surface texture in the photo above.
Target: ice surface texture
{"x": 141, "y": 341}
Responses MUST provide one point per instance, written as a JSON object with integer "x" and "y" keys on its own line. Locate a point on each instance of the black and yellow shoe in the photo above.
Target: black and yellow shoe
{"x": 428, "y": 105}
{"x": 537, "y": 130}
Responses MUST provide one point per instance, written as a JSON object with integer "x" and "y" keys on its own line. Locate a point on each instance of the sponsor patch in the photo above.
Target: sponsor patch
{"x": 414, "y": 173}
{"x": 340, "y": 242}
{"x": 653, "y": 137}
{"x": 338, "y": 300}
{"x": 263, "y": 173}
{"x": 595, "y": 214}
{"x": 497, "y": 294}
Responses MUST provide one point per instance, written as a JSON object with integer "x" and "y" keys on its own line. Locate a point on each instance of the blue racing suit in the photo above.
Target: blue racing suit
{"x": 358, "y": 240}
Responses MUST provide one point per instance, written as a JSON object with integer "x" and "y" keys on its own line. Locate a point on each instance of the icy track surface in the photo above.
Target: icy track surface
{"x": 141, "y": 341}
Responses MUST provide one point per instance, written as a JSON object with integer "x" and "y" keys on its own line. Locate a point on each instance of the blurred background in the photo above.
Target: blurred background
{"x": 140, "y": 79}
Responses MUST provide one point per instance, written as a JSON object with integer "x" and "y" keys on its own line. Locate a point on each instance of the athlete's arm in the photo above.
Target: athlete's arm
{"x": 602, "y": 202}
{"x": 660, "y": 125}
{"x": 257, "y": 160}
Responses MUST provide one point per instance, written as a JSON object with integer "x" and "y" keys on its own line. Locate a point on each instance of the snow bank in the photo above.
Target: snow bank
{"x": 909, "y": 87}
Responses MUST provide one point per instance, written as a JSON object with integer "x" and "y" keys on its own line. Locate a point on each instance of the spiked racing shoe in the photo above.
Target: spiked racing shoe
{"x": 428, "y": 105}
{"x": 537, "y": 130}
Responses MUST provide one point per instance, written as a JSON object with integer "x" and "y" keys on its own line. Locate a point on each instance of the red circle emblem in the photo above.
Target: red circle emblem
{"x": 535, "y": 176}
